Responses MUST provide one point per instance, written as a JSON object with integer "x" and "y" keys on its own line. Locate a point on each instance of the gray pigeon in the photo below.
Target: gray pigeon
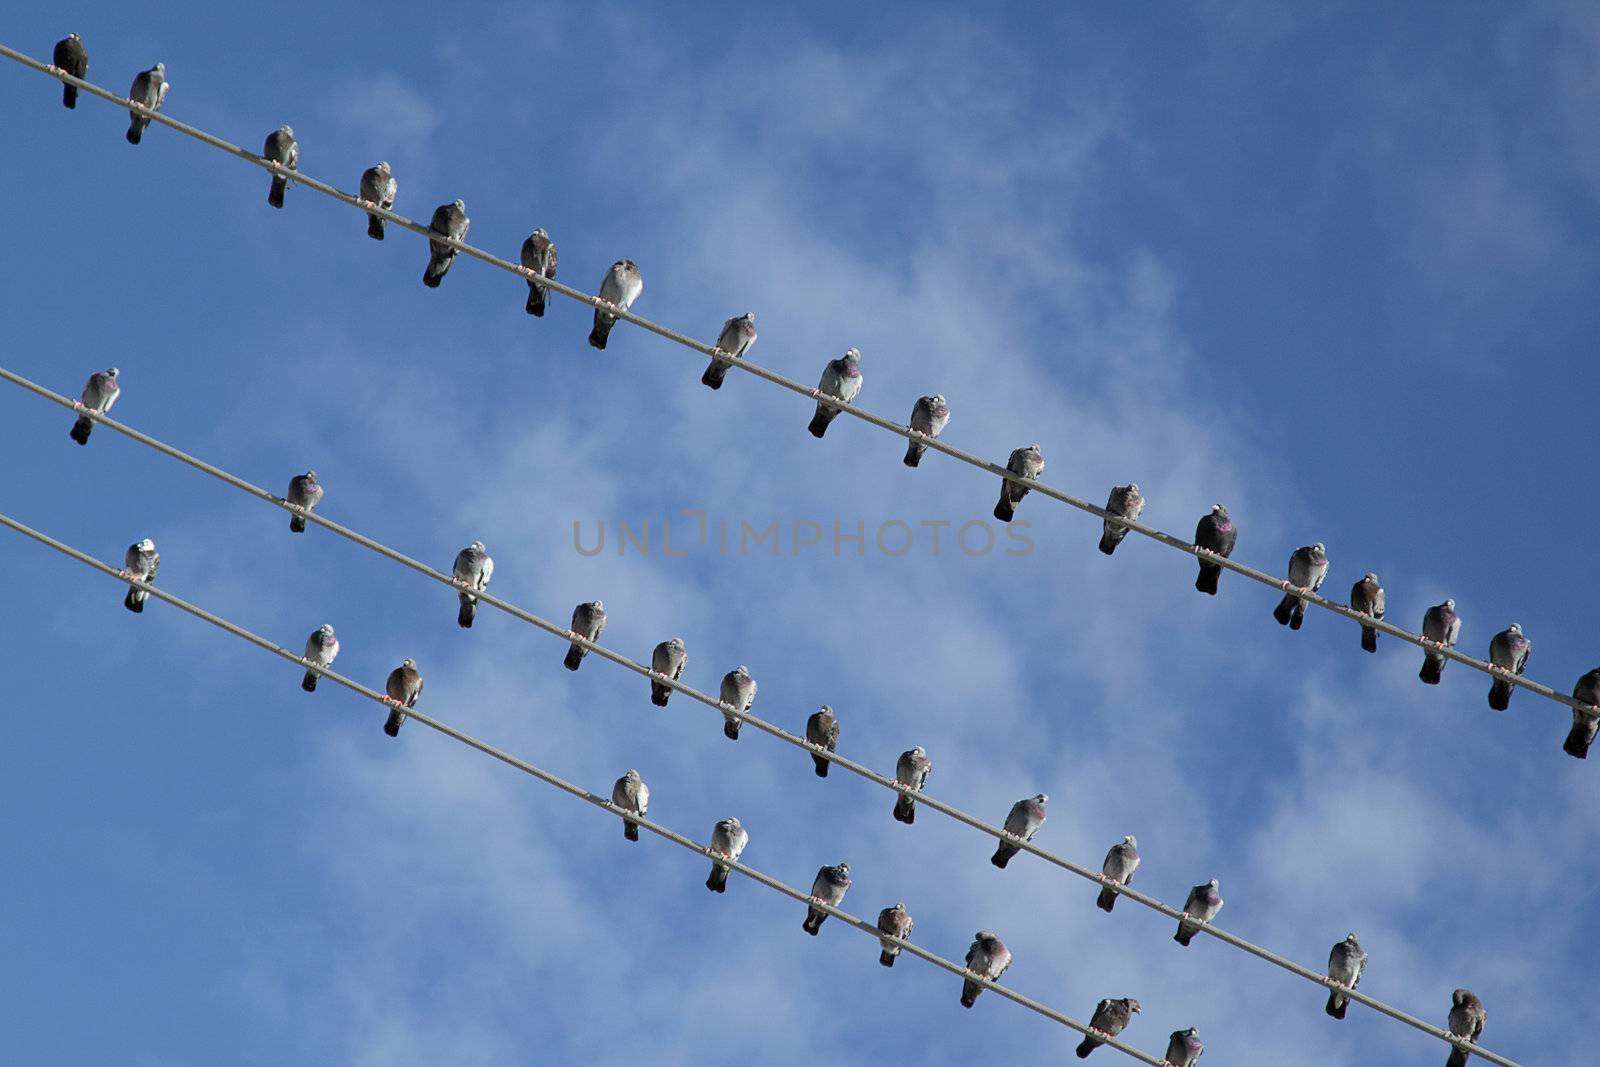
{"x": 911, "y": 770}
{"x": 322, "y": 648}
{"x": 631, "y": 794}
{"x": 822, "y": 730}
{"x": 1121, "y": 862}
{"x": 378, "y": 189}
{"x": 1184, "y": 1048}
{"x": 1025, "y": 463}
{"x": 403, "y": 688}
{"x": 1202, "y": 906}
{"x": 619, "y": 289}
{"x": 538, "y": 257}
{"x": 1508, "y": 651}
{"x": 1308, "y": 567}
{"x": 282, "y": 149}
{"x": 471, "y": 571}
{"x": 1585, "y": 721}
{"x": 987, "y": 958}
{"x": 1110, "y": 1018}
{"x": 72, "y": 58}
{"x": 738, "y": 693}
{"x": 1345, "y": 964}
{"x": 1124, "y": 502}
{"x": 829, "y": 888}
{"x": 99, "y": 393}
{"x": 1367, "y": 598}
{"x": 1021, "y": 824}
{"x": 896, "y": 922}
{"x": 305, "y": 493}
{"x": 449, "y": 220}
{"x": 728, "y": 839}
{"x": 1466, "y": 1021}
{"x": 149, "y": 90}
{"x": 140, "y": 562}
{"x": 1440, "y": 625}
{"x": 1214, "y": 533}
{"x": 732, "y": 343}
{"x": 841, "y": 380}
{"x": 588, "y": 621}
{"x": 667, "y": 660}
{"x": 928, "y": 417}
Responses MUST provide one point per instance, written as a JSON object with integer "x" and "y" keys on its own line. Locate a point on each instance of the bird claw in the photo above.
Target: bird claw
{"x": 1095, "y": 1032}
{"x": 53, "y": 69}
{"x": 816, "y": 394}
{"x": 392, "y": 702}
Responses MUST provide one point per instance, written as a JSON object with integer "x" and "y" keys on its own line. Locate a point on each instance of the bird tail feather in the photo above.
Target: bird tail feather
{"x": 969, "y": 993}
{"x": 914, "y": 453}
{"x": 1432, "y": 669}
{"x": 1458, "y": 1058}
{"x": 69, "y": 95}
{"x": 822, "y": 766}
{"x": 905, "y": 810}
{"x": 1002, "y": 855}
{"x": 375, "y": 227}
{"x": 1086, "y": 1046}
{"x": 309, "y": 682}
{"x": 438, "y": 263}
{"x": 630, "y": 830}
{"x": 887, "y": 958}
{"x": 1284, "y": 611}
{"x": 1107, "y": 900}
{"x": 1003, "y": 509}
{"x": 730, "y": 729}
{"x": 297, "y": 524}
{"x": 813, "y": 922}
{"x": 136, "y": 129}
{"x": 134, "y": 601}
{"x": 602, "y": 330}
{"x": 1500, "y": 695}
{"x": 659, "y": 694}
{"x": 1369, "y": 638}
{"x": 1298, "y": 614}
{"x": 1207, "y": 581}
{"x": 1336, "y": 1005}
{"x": 81, "y": 428}
{"x": 714, "y": 375}
{"x": 1184, "y": 935}
{"x": 575, "y": 656}
{"x": 275, "y": 194}
{"x": 1111, "y": 538}
{"x": 469, "y": 611}
{"x": 392, "y": 725}
{"x": 820, "y": 421}
{"x": 1575, "y": 745}
{"x": 535, "y": 300}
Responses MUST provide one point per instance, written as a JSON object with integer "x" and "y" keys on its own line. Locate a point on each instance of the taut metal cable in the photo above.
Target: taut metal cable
{"x": 613, "y": 656}
{"x": 562, "y": 784}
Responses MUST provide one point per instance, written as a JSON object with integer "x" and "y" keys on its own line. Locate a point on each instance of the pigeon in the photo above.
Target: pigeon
{"x": 322, "y": 647}
{"x": 141, "y": 562}
{"x": 728, "y": 839}
{"x": 987, "y": 958}
{"x": 1202, "y": 906}
{"x": 619, "y": 289}
{"x": 538, "y": 256}
{"x": 928, "y": 418}
{"x": 1509, "y": 652}
{"x": 281, "y": 148}
{"x": 449, "y": 220}
{"x": 1184, "y": 1048}
{"x": 911, "y": 771}
{"x": 1121, "y": 862}
{"x": 732, "y": 343}
{"x": 1124, "y": 502}
{"x": 631, "y": 794}
{"x": 1110, "y": 1018}
{"x": 149, "y": 90}
{"x": 1440, "y": 626}
{"x": 378, "y": 189}
{"x": 738, "y": 693}
{"x": 403, "y": 688}
{"x": 71, "y": 58}
{"x": 99, "y": 393}
{"x": 1466, "y": 1021}
{"x": 305, "y": 493}
{"x": 1345, "y": 964}
{"x": 588, "y": 621}
{"x": 667, "y": 660}
{"x": 1308, "y": 566}
{"x": 829, "y": 888}
{"x": 1585, "y": 721}
{"x": 841, "y": 380}
{"x": 896, "y": 922}
{"x": 822, "y": 730}
{"x": 1025, "y": 463}
{"x": 1366, "y": 597}
{"x": 471, "y": 571}
{"x": 1021, "y": 824}
{"x": 1215, "y": 533}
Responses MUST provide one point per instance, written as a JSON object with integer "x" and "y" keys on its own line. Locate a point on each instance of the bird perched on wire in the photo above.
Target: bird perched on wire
{"x": 1441, "y": 626}
{"x": 1024, "y": 463}
{"x": 728, "y": 840}
{"x": 1023, "y": 821}
{"x": 539, "y": 258}
{"x": 471, "y": 572}
{"x": 1367, "y": 598}
{"x": 1308, "y": 568}
{"x": 667, "y": 660}
{"x": 841, "y": 380}
{"x": 1121, "y": 861}
{"x": 929, "y": 416}
{"x": 322, "y": 648}
{"x": 1508, "y": 651}
{"x": 988, "y": 958}
{"x": 830, "y": 886}
{"x": 910, "y": 770}
{"x": 284, "y": 150}
{"x": 1345, "y": 964}
{"x": 449, "y": 220}
{"x": 618, "y": 290}
{"x": 1125, "y": 502}
{"x": 588, "y": 622}
{"x": 1215, "y": 533}
{"x": 1201, "y": 907}
{"x": 736, "y": 338}
{"x": 1110, "y": 1018}
{"x": 99, "y": 393}
{"x": 378, "y": 189}
{"x": 1184, "y": 1048}
{"x": 738, "y": 693}
{"x": 631, "y": 794}
{"x": 896, "y": 922}
{"x": 149, "y": 90}
{"x": 402, "y": 690}
{"x": 1466, "y": 1021}
{"x": 140, "y": 562}
{"x": 305, "y": 493}
{"x": 1585, "y": 720}
{"x": 822, "y": 730}
{"x": 72, "y": 58}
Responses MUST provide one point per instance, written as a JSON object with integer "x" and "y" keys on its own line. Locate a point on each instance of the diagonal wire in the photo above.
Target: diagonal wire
{"x": 562, "y": 784}
{"x": 793, "y": 386}
{"x": 705, "y": 698}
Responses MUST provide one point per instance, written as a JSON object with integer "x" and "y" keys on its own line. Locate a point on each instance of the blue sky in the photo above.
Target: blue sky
{"x": 1327, "y": 267}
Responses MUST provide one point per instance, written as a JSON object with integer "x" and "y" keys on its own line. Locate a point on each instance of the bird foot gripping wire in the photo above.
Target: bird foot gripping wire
{"x": 459, "y": 582}
{"x": 392, "y": 702}
{"x": 1094, "y": 1032}
{"x": 53, "y": 69}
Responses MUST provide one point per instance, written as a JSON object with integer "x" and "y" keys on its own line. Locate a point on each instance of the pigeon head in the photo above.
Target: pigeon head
{"x": 899, "y": 905}
{"x": 147, "y": 546}
{"x": 1041, "y": 799}
{"x": 73, "y": 37}
{"x": 1449, "y": 604}
{"x": 749, "y": 317}
{"x": 1370, "y": 577}
{"x": 409, "y": 663}
{"x": 112, "y": 373}
{"x": 741, "y": 669}
{"x": 477, "y": 546}
{"x": 841, "y": 871}
{"x": 632, "y": 775}
{"x": 1459, "y": 996}
{"x": 540, "y": 232}
{"x": 1212, "y": 883}
{"x": 918, "y": 750}
{"x": 852, "y": 355}
{"x": 1515, "y": 628}
{"x": 1133, "y": 487}
{"x": 1351, "y": 937}
{"x": 630, "y": 265}
{"x": 325, "y": 630}
{"x": 597, "y": 605}
{"x": 311, "y": 476}
{"x": 1130, "y": 840}
{"x": 160, "y": 68}
{"x": 287, "y": 132}
{"x": 731, "y": 824}
{"x": 383, "y": 165}
{"x": 1319, "y": 549}
{"x": 1133, "y": 1006}
{"x": 460, "y": 205}
{"x": 1220, "y": 512}
{"x": 825, "y": 710}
